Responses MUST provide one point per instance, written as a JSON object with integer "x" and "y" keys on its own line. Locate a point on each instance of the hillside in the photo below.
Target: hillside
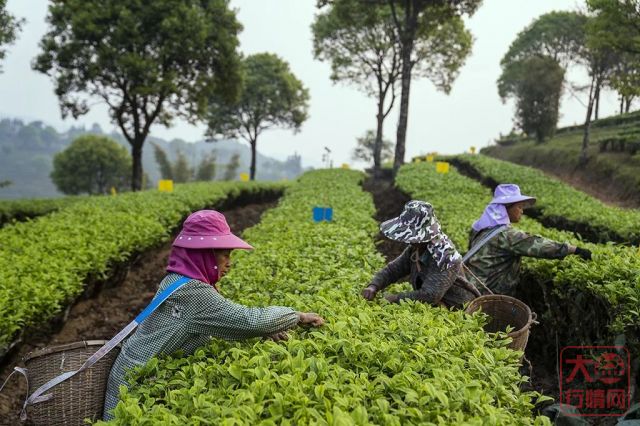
{"x": 613, "y": 170}
{"x": 27, "y": 151}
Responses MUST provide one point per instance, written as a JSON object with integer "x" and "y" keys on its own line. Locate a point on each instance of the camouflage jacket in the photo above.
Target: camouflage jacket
{"x": 430, "y": 284}
{"x": 497, "y": 263}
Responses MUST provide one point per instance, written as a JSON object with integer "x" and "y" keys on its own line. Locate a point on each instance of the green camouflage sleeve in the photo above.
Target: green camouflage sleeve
{"x": 523, "y": 244}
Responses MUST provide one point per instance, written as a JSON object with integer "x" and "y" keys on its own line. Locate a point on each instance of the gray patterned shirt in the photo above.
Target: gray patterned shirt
{"x": 430, "y": 283}
{"x": 187, "y": 320}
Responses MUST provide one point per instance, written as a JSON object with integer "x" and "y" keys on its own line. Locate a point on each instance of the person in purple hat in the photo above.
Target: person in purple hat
{"x": 197, "y": 311}
{"x": 496, "y": 248}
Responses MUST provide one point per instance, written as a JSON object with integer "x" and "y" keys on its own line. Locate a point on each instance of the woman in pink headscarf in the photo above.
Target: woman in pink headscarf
{"x": 197, "y": 311}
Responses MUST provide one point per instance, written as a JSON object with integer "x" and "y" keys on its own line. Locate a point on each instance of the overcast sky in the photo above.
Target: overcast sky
{"x": 471, "y": 115}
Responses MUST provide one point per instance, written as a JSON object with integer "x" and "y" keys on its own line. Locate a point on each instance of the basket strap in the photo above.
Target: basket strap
{"x": 482, "y": 242}
{"x": 24, "y": 372}
{"x": 20, "y": 370}
{"x": 39, "y": 396}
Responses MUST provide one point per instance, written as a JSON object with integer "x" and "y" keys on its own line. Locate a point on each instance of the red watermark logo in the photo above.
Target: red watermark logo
{"x": 595, "y": 380}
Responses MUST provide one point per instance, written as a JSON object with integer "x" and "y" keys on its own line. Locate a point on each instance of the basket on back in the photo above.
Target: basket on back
{"x": 77, "y": 398}
{"x": 505, "y": 311}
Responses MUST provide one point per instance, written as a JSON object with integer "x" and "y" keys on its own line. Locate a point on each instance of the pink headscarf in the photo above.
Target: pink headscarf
{"x": 198, "y": 264}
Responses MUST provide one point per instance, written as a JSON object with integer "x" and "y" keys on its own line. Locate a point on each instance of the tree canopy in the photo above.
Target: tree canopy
{"x": 9, "y": 27}
{"x": 150, "y": 62}
{"x": 91, "y": 164}
{"x": 616, "y": 24}
{"x": 614, "y": 27}
{"x": 365, "y": 146}
{"x": 560, "y": 35}
{"x": 536, "y": 84}
{"x": 271, "y": 96}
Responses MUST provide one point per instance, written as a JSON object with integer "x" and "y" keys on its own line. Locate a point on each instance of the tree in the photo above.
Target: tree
{"x": 536, "y": 84}
{"x": 231, "y": 171}
{"x": 166, "y": 169}
{"x": 361, "y": 45}
{"x": 366, "y": 146}
{"x": 616, "y": 24}
{"x": 91, "y": 164}
{"x": 615, "y": 27}
{"x": 207, "y": 168}
{"x": 182, "y": 171}
{"x": 433, "y": 44}
{"x": 149, "y": 61}
{"x": 625, "y": 79}
{"x": 9, "y": 27}
{"x": 5, "y": 183}
{"x": 563, "y": 36}
{"x": 271, "y": 97}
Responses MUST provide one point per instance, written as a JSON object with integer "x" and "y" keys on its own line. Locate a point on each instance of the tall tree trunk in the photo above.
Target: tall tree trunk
{"x": 627, "y": 105}
{"x": 136, "y": 153}
{"x": 401, "y": 133}
{"x": 621, "y": 104}
{"x": 597, "y": 108}
{"x": 377, "y": 147}
{"x": 587, "y": 124}
{"x": 252, "y": 169}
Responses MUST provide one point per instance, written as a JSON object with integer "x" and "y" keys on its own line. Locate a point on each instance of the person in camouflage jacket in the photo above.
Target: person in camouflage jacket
{"x": 497, "y": 263}
{"x": 431, "y": 261}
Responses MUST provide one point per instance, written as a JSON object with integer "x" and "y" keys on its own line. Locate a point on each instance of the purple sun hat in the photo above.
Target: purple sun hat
{"x": 509, "y": 193}
{"x": 208, "y": 229}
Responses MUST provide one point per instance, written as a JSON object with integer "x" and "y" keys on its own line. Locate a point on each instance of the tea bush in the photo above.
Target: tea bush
{"x": 44, "y": 263}
{"x": 559, "y": 202}
{"x": 612, "y": 276}
{"x": 19, "y": 210}
{"x": 371, "y": 363}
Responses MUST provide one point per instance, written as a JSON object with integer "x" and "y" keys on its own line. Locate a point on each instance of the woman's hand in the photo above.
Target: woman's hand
{"x": 279, "y": 336}
{"x": 369, "y": 292}
{"x": 310, "y": 318}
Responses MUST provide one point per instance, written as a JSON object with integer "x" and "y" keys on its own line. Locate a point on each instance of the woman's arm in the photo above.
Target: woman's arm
{"x": 225, "y": 319}
{"x": 523, "y": 244}
{"x": 396, "y": 269}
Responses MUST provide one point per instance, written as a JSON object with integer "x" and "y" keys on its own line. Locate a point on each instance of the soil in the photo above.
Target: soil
{"x": 389, "y": 202}
{"x": 106, "y": 313}
{"x": 604, "y": 191}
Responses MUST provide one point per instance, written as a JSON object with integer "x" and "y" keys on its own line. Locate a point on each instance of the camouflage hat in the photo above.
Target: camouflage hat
{"x": 416, "y": 224}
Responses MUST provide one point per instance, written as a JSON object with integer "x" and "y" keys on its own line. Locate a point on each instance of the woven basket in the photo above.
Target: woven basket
{"x": 76, "y": 399}
{"x": 506, "y": 311}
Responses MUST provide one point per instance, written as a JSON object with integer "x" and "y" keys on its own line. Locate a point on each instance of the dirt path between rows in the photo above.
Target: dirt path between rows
{"x": 102, "y": 316}
{"x": 389, "y": 202}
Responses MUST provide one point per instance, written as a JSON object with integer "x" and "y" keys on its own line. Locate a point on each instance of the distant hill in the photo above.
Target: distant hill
{"x": 613, "y": 170}
{"x": 27, "y": 151}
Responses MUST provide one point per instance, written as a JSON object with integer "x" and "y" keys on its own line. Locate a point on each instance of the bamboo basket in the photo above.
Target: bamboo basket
{"x": 82, "y": 396}
{"x": 506, "y": 311}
